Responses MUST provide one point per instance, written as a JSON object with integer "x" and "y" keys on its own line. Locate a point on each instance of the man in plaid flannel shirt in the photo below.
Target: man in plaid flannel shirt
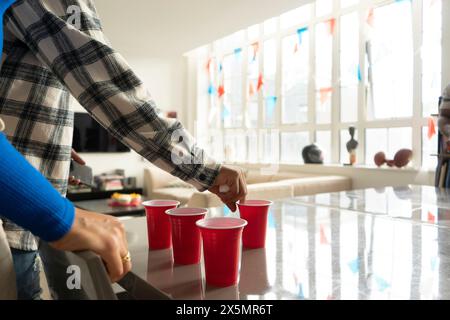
{"x": 47, "y": 61}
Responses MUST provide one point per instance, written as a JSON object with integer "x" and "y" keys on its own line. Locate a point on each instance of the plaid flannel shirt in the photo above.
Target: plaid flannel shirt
{"x": 46, "y": 63}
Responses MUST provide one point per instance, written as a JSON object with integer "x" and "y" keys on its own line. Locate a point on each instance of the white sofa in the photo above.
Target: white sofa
{"x": 161, "y": 185}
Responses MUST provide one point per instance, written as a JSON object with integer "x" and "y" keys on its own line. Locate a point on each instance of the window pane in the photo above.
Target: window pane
{"x": 295, "y": 78}
{"x": 229, "y": 147}
{"x": 323, "y": 140}
{"x": 292, "y": 144}
{"x": 324, "y": 60}
{"x": 349, "y": 67}
{"x": 429, "y": 147}
{"x": 345, "y": 137}
{"x": 296, "y": 17}
{"x": 270, "y": 58}
{"x": 323, "y": 7}
{"x": 252, "y": 147}
{"x": 216, "y": 143}
{"x": 233, "y": 41}
{"x": 348, "y": 3}
{"x": 232, "y": 100}
{"x": 269, "y": 87}
{"x": 253, "y": 32}
{"x": 270, "y": 146}
{"x": 270, "y": 26}
{"x": 270, "y": 68}
{"x": 431, "y": 55}
{"x": 235, "y": 146}
{"x": 388, "y": 141}
{"x": 252, "y": 85}
{"x": 241, "y": 146}
{"x": 390, "y": 61}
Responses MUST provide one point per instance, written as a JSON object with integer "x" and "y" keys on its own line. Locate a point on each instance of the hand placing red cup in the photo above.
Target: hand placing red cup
{"x": 255, "y": 212}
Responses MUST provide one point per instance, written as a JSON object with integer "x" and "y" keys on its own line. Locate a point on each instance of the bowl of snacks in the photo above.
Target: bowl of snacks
{"x": 125, "y": 200}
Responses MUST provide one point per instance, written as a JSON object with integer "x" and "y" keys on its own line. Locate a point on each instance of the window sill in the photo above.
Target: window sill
{"x": 340, "y": 167}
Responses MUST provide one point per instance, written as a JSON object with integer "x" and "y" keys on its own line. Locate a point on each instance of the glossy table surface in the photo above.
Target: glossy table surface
{"x": 364, "y": 244}
{"x": 102, "y": 206}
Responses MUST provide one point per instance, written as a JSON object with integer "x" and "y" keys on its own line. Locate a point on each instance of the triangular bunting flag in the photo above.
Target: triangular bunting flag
{"x": 370, "y": 18}
{"x": 323, "y": 236}
{"x": 431, "y": 217}
{"x": 260, "y": 82}
{"x": 211, "y": 90}
{"x": 354, "y": 265}
{"x": 300, "y": 34}
{"x": 431, "y": 128}
{"x": 255, "y": 50}
{"x": 382, "y": 284}
{"x": 325, "y": 94}
{"x": 251, "y": 89}
{"x": 331, "y": 25}
{"x": 271, "y": 103}
{"x": 221, "y": 91}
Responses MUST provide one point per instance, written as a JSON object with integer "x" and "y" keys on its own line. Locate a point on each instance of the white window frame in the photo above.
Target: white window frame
{"x": 416, "y": 122}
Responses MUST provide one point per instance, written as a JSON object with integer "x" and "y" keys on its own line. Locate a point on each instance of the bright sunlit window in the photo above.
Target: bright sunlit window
{"x": 309, "y": 74}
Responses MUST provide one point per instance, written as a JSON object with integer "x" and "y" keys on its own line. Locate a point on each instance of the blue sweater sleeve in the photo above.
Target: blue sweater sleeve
{"x": 4, "y": 5}
{"x": 28, "y": 199}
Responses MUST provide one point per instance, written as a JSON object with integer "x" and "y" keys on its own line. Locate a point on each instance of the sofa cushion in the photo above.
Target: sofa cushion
{"x": 255, "y": 176}
{"x": 283, "y": 176}
{"x": 181, "y": 194}
{"x": 266, "y": 191}
{"x": 156, "y": 178}
{"x": 319, "y": 184}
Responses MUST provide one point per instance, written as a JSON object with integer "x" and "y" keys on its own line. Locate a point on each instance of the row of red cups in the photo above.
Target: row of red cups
{"x": 184, "y": 229}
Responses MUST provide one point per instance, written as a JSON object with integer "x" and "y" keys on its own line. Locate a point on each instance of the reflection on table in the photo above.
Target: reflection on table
{"x": 317, "y": 252}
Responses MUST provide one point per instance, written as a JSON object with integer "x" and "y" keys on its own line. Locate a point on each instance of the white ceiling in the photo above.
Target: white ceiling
{"x": 162, "y": 28}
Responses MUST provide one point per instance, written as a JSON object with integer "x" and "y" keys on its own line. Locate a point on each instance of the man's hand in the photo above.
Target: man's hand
{"x": 102, "y": 234}
{"x": 234, "y": 187}
{"x": 76, "y": 157}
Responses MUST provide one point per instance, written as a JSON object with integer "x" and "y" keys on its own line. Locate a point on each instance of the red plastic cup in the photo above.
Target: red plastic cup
{"x": 186, "y": 238}
{"x": 256, "y": 213}
{"x": 221, "y": 249}
{"x": 158, "y": 223}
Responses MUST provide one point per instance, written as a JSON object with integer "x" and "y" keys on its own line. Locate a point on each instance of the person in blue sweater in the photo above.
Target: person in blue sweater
{"x": 29, "y": 200}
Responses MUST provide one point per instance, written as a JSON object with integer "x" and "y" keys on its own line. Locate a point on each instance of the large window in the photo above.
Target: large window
{"x": 308, "y": 75}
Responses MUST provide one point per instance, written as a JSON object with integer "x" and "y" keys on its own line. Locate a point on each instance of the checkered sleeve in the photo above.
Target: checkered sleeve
{"x": 103, "y": 83}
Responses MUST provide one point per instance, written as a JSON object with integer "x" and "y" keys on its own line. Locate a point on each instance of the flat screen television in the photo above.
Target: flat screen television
{"x": 90, "y": 136}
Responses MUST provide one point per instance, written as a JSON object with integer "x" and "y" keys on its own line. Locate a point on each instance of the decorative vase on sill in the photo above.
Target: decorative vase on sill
{"x": 352, "y": 145}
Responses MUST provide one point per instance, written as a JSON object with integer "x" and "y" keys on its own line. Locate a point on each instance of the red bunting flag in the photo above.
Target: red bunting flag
{"x": 208, "y": 64}
{"x": 221, "y": 91}
{"x": 431, "y": 128}
{"x": 251, "y": 89}
{"x": 332, "y": 25}
{"x": 370, "y": 18}
{"x": 431, "y": 217}
{"x": 255, "y": 50}
{"x": 323, "y": 236}
{"x": 325, "y": 94}
{"x": 260, "y": 82}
